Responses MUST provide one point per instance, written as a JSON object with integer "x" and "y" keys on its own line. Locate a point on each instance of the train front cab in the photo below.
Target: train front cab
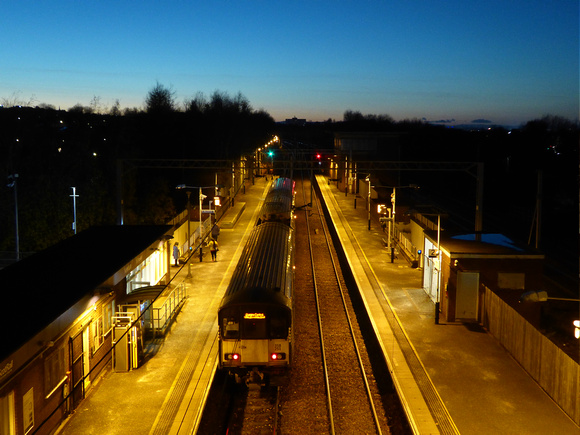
{"x": 255, "y": 342}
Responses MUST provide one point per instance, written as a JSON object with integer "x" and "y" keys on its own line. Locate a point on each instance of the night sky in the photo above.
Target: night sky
{"x": 501, "y": 62}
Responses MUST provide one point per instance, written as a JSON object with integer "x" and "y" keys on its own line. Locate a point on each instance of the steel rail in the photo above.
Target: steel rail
{"x": 324, "y": 365}
{"x": 348, "y": 317}
{"x": 276, "y": 411}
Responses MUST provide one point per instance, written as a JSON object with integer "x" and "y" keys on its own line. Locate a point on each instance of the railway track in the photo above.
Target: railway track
{"x": 239, "y": 408}
{"x": 350, "y": 402}
{"x": 332, "y": 387}
{"x": 254, "y": 410}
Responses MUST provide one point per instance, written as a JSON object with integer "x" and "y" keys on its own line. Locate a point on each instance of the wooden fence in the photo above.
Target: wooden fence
{"x": 551, "y": 368}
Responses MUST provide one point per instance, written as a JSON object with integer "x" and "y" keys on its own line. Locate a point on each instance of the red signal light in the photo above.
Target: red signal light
{"x": 318, "y": 156}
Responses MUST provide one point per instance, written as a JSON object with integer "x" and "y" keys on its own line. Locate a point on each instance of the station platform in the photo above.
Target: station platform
{"x": 179, "y": 366}
{"x": 454, "y": 378}
{"x": 230, "y": 219}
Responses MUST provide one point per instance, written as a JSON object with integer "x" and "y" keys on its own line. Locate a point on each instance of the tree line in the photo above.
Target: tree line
{"x": 53, "y": 150}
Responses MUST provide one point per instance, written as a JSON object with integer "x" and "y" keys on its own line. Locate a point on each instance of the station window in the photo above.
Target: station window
{"x": 54, "y": 370}
{"x": 231, "y": 328}
{"x": 98, "y": 333}
{"x": 230, "y": 324}
{"x": 108, "y": 309}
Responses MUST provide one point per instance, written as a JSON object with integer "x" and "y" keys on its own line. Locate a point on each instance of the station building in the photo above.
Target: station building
{"x": 59, "y": 316}
{"x": 470, "y": 263}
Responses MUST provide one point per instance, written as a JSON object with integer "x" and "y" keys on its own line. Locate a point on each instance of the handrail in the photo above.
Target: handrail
{"x": 406, "y": 244}
{"x": 162, "y": 316}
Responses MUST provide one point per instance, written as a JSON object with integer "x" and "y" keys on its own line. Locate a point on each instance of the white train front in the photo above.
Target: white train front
{"x": 256, "y": 313}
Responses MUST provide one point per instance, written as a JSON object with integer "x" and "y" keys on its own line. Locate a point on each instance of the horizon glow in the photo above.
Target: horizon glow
{"x": 504, "y": 62}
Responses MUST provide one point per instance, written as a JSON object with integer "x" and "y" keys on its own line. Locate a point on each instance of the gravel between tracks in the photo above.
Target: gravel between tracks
{"x": 303, "y": 402}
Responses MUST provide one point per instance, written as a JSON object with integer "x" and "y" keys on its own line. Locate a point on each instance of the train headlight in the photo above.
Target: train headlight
{"x": 232, "y": 356}
{"x": 278, "y": 356}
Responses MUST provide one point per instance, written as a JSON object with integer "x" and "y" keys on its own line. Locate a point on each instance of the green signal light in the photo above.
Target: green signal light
{"x": 270, "y": 153}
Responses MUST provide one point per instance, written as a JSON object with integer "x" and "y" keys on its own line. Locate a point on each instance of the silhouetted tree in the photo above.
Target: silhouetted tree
{"x": 352, "y": 116}
{"x": 160, "y": 100}
{"x": 197, "y": 104}
{"x": 131, "y": 111}
{"x": 16, "y": 100}
{"x": 79, "y": 109}
{"x": 95, "y": 104}
{"x": 357, "y": 121}
{"x": 52, "y": 150}
{"x": 553, "y": 123}
{"x": 115, "y": 108}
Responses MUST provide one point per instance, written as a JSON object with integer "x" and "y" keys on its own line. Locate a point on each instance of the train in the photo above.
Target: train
{"x": 279, "y": 202}
{"x": 256, "y": 316}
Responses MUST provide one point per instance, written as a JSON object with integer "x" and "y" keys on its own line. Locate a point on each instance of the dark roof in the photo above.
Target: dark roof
{"x": 490, "y": 245}
{"x": 38, "y": 289}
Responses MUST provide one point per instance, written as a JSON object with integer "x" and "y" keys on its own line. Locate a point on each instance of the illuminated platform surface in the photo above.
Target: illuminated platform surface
{"x": 461, "y": 378}
{"x": 453, "y": 374}
{"x": 171, "y": 384}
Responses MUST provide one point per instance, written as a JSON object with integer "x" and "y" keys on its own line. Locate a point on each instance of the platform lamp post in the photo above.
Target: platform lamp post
{"x": 368, "y": 179}
{"x": 437, "y": 300}
{"x": 233, "y": 188}
{"x": 201, "y": 198}
{"x": 393, "y": 213}
{"x": 12, "y": 183}
{"x": 392, "y": 224}
{"x": 188, "y": 193}
{"x": 74, "y": 196}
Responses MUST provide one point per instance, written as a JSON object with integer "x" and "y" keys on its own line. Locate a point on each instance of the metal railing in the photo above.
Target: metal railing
{"x": 405, "y": 243}
{"x": 165, "y": 308}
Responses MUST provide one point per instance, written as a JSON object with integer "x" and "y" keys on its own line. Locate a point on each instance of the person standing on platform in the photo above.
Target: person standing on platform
{"x": 213, "y": 248}
{"x": 176, "y": 253}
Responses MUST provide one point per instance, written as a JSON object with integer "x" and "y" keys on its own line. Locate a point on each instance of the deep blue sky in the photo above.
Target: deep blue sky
{"x": 505, "y": 61}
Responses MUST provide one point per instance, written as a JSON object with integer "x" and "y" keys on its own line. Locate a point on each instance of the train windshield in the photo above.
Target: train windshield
{"x": 230, "y": 324}
{"x": 254, "y": 326}
{"x": 278, "y": 327}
